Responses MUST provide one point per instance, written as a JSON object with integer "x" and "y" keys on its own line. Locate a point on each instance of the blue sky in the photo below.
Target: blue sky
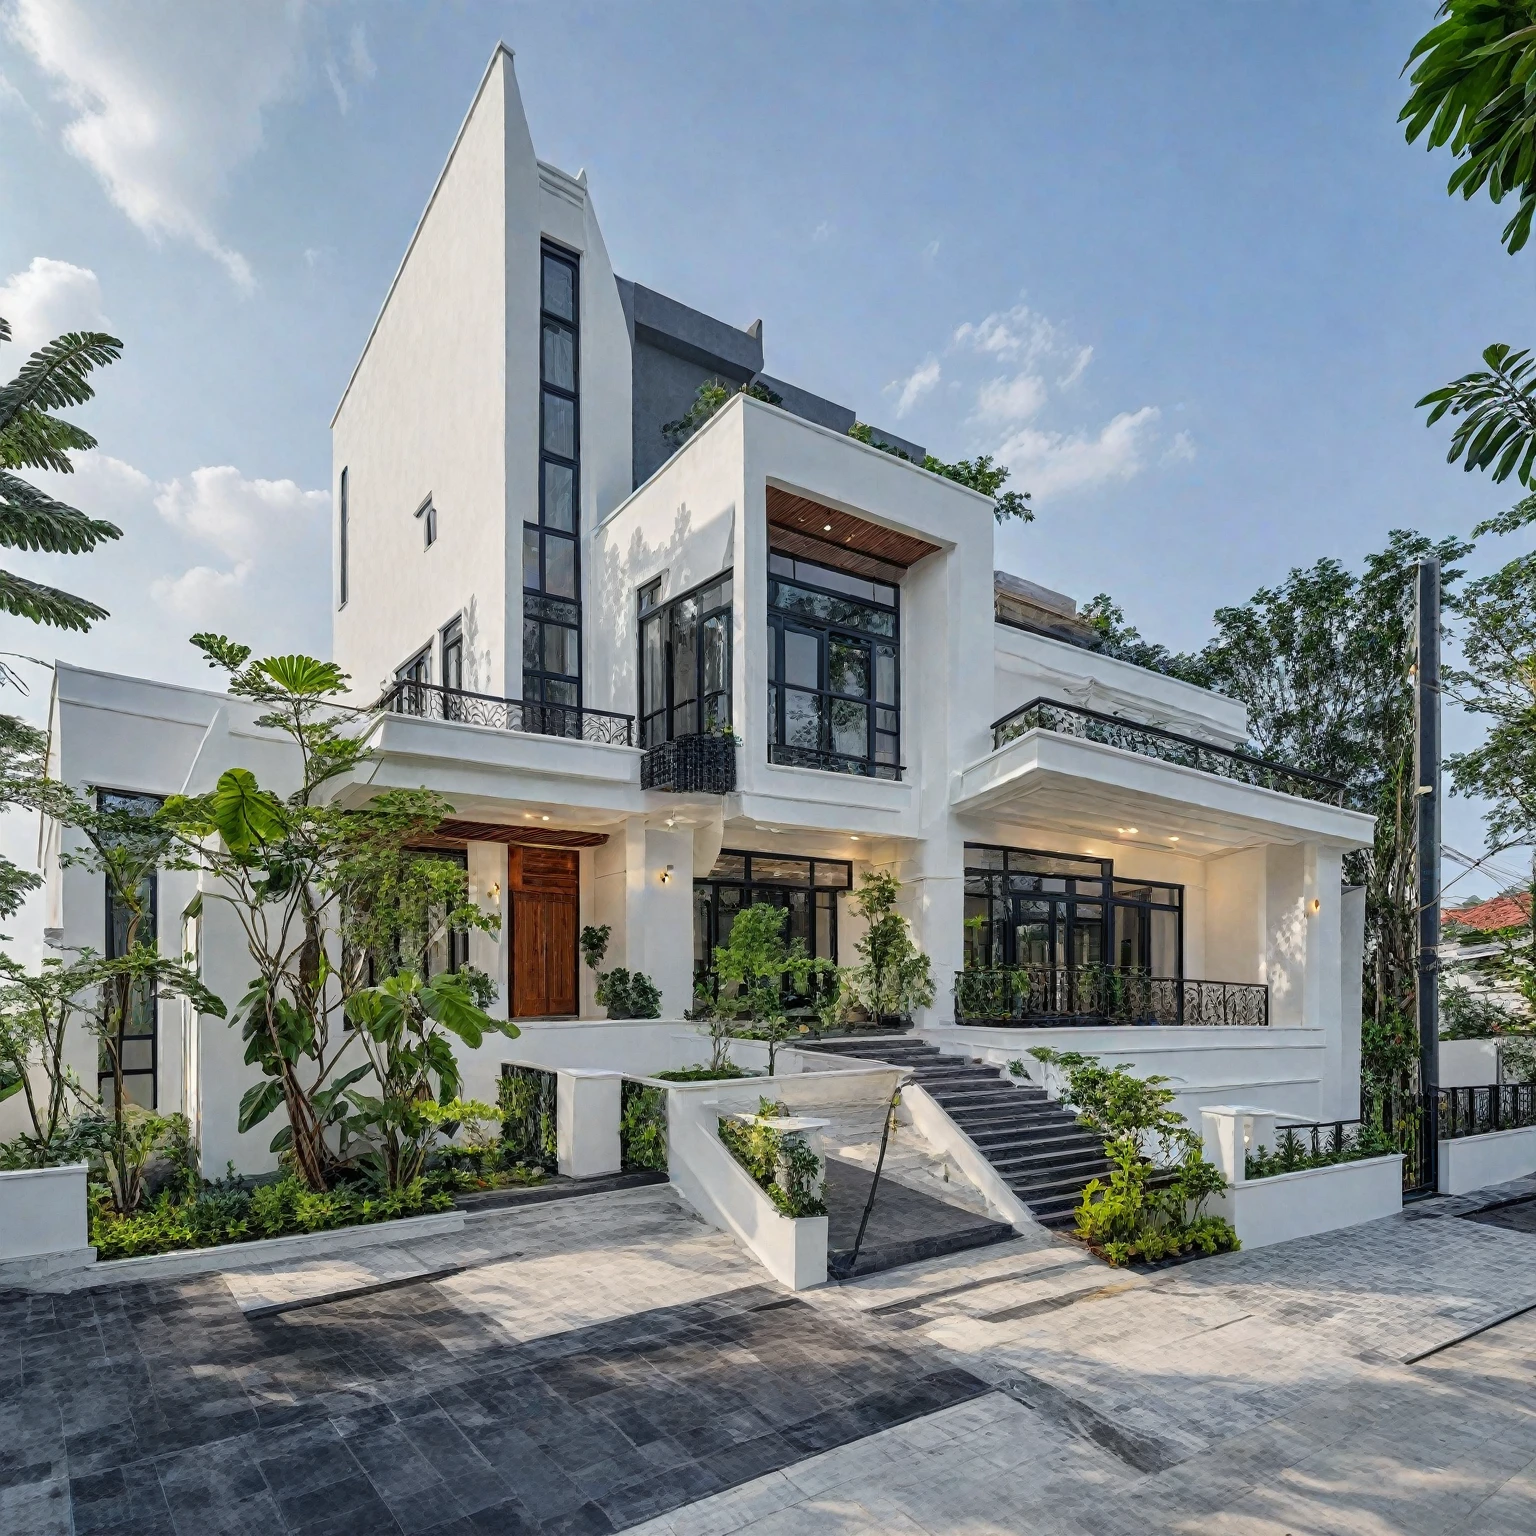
{"x": 1174, "y": 263}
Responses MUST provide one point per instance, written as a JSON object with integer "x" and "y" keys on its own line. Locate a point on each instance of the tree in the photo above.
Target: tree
{"x": 896, "y": 977}
{"x": 31, "y": 437}
{"x": 980, "y": 474}
{"x": 331, "y": 902}
{"x": 35, "y": 1015}
{"x": 1123, "y": 641}
{"x": 757, "y": 961}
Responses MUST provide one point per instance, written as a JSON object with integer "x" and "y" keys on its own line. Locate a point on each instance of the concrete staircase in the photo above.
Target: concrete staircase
{"x": 1040, "y": 1150}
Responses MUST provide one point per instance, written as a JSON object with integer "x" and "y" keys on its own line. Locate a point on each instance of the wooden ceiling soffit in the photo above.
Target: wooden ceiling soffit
{"x": 454, "y": 834}
{"x": 843, "y": 530}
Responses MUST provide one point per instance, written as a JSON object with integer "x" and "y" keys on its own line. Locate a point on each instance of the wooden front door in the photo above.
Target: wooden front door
{"x": 542, "y": 884}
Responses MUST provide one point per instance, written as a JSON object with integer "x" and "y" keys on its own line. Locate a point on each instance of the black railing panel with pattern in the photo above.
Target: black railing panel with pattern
{"x": 1167, "y": 746}
{"x": 429, "y": 701}
{"x": 1495, "y": 1107}
{"x": 1040, "y": 996}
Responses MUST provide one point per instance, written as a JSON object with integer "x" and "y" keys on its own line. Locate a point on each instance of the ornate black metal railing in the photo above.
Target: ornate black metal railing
{"x": 1168, "y": 746}
{"x": 1043, "y": 996}
{"x": 831, "y": 762}
{"x": 429, "y": 701}
{"x": 1390, "y": 1121}
{"x": 1476, "y": 1111}
{"x": 698, "y": 765}
{"x": 528, "y": 1128}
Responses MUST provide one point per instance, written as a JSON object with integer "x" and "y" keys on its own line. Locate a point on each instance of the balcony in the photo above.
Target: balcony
{"x": 429, "y": 701}
{"x": 699, "y": 764}
{"x": 1166, "y": 746}
{"x": 1050, "y": 996}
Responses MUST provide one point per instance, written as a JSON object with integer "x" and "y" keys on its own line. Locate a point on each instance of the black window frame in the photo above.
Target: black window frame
{"x": 426, "y": 514}
{"x": 150, "y": 1001}
{"x": 450, "y": 650}
{"x": 1077, "y": 888}
{"x": 663, "y": 614}
{"x": 882, "y": 730}
{"x": 342, "y": 518}
{"x": 544, "y": 610}
{"x": 752, "y": 890}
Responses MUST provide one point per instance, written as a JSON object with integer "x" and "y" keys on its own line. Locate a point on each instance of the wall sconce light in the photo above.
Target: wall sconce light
{"x": 1315, "y": 905}
{"x": 666, "y": 874}
{"x": 494, "y": 894}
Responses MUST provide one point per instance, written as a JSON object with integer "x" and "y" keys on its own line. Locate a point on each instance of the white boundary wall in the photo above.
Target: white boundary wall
{"x": 43, "y": 1211}
{"x": 1475, "y": 1162}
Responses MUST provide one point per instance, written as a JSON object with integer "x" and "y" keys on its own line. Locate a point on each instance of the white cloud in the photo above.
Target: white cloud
{"x": 1181, "y": 450}
{"x": 917, "y": 384}
{"x": 243, "y": 519}
{"x": 822, "y": 232}
{"x": 1011, "y": 400}
{"x": 1011, "y": 333}
{"x": 1049, "y": 463}
{"x": 10, "y": 97}
{"x": 930, "y": 250}
{"x": 1076, "y": 370}
{"x": 363, "y": 67}
{"x": 49, "y": 298}
{"x": 201, "y": 595}
{"x": 167, "y": 99}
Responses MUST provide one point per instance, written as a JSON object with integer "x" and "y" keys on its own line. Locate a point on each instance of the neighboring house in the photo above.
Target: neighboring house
{"x": 557, "y": 615}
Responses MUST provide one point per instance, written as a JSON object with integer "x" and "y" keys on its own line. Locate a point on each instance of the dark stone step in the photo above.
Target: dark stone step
{"x": 557, "y": 1187}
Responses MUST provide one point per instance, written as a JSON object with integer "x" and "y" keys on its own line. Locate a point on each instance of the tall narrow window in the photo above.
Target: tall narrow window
{"x": 342, "y": 519}
{"x": 834, "y": 689}
{"x": 426, "y": 513}
{"x": 414, "y": 696}
{"x": 453, "y": 655}
{"x": 551, "y": 543}
{"x": 685, "y": 663}
{"x": 135, "y": 1041}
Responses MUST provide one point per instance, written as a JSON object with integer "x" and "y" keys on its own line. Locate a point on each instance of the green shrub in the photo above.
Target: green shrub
{"x": 782, "y": 1163}
{"x": 642, "y": 1127}
{"x": 1293, "y": 1154}
{"x": 1150, "y": 1208}
{"x": 701, "y": 1074}
{"x": 230, "y": 1214}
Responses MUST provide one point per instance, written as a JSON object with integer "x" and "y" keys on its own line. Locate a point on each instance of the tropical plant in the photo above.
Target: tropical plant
{"x": 781, "y": 1162}
{"x": 1472, "y": 78}
{"x": 980, "y": 474}
{"x": 895, "y": 977}
{"x": 405, "y": 1025}
{"x": 22, "y": 753}
{"x": 1135, "y": 1215}
{"x": 712, "y": 395}
{"x": 759, "y": 964}
{"x": 330, "y": 901}
{"x": 1466, "y": 1014}
{"x": 36, "y": 1012}
{"x": 642, "y": 1127}
{"x": 623, "y": 993}
{"x": 31, "y": 437}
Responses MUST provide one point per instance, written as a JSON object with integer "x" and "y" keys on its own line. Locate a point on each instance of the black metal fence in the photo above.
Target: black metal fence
{"x": 1041, "y": 996}
{"x": 1391, "y": 1121}
{"x": 1476, "y": 1111}
{"x": 1169, "y": 746}
{"x": 699, "y": 764}
{"x": 528, "y": 1116}
{"x": 428, "y": 701}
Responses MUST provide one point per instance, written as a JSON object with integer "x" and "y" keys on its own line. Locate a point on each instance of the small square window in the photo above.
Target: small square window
{"x": 428, "y": 515}
{"x": 650, "y": 595}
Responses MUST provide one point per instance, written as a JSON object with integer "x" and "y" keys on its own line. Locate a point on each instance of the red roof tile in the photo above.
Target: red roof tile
{"x": 1500, "y": 912}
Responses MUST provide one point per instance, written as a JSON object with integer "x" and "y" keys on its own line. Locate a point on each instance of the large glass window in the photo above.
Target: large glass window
{"x": 551, "y": 552}
{"x": 685, "y": 663}
{"x": 806, "y": 888}
{"x": 136, "y": 1041}
{"x": 1024, "y": 907}
{"x": 834, "y": 677}
{"x": 342, "y": 552}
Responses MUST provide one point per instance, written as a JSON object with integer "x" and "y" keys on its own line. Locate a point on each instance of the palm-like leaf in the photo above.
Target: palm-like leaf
{"x": 36, "y": 440}
{"x": 55, "y": 376}
{"x": 31, "y": 519}
{"x": 1474, "y": 88}
{"x": 46, "y": 605}
{"x": 1496, "y": 407}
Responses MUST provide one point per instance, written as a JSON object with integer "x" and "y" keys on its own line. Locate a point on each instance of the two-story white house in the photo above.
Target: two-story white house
{"x": 555, "y": 612}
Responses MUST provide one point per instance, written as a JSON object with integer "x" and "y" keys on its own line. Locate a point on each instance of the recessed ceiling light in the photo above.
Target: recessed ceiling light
{"x": 853, "y": 837}
{"x": 826, "y": 528}
{"x": 544, "y": 818}
{"x": 1173, "y": 839}
{"x": 1126, "y": 831}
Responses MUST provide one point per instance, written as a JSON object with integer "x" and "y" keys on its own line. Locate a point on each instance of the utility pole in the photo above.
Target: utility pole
{"x": 1426, "y": 800}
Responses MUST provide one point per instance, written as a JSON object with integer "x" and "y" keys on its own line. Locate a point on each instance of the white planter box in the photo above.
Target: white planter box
{"x": 42, "y": 1211}
{"x": 1475, "y": 1162}
{"x": 1290, "y": 1205}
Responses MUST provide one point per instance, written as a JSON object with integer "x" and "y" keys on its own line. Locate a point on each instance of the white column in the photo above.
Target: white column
{"x": 587, "y": 1122}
